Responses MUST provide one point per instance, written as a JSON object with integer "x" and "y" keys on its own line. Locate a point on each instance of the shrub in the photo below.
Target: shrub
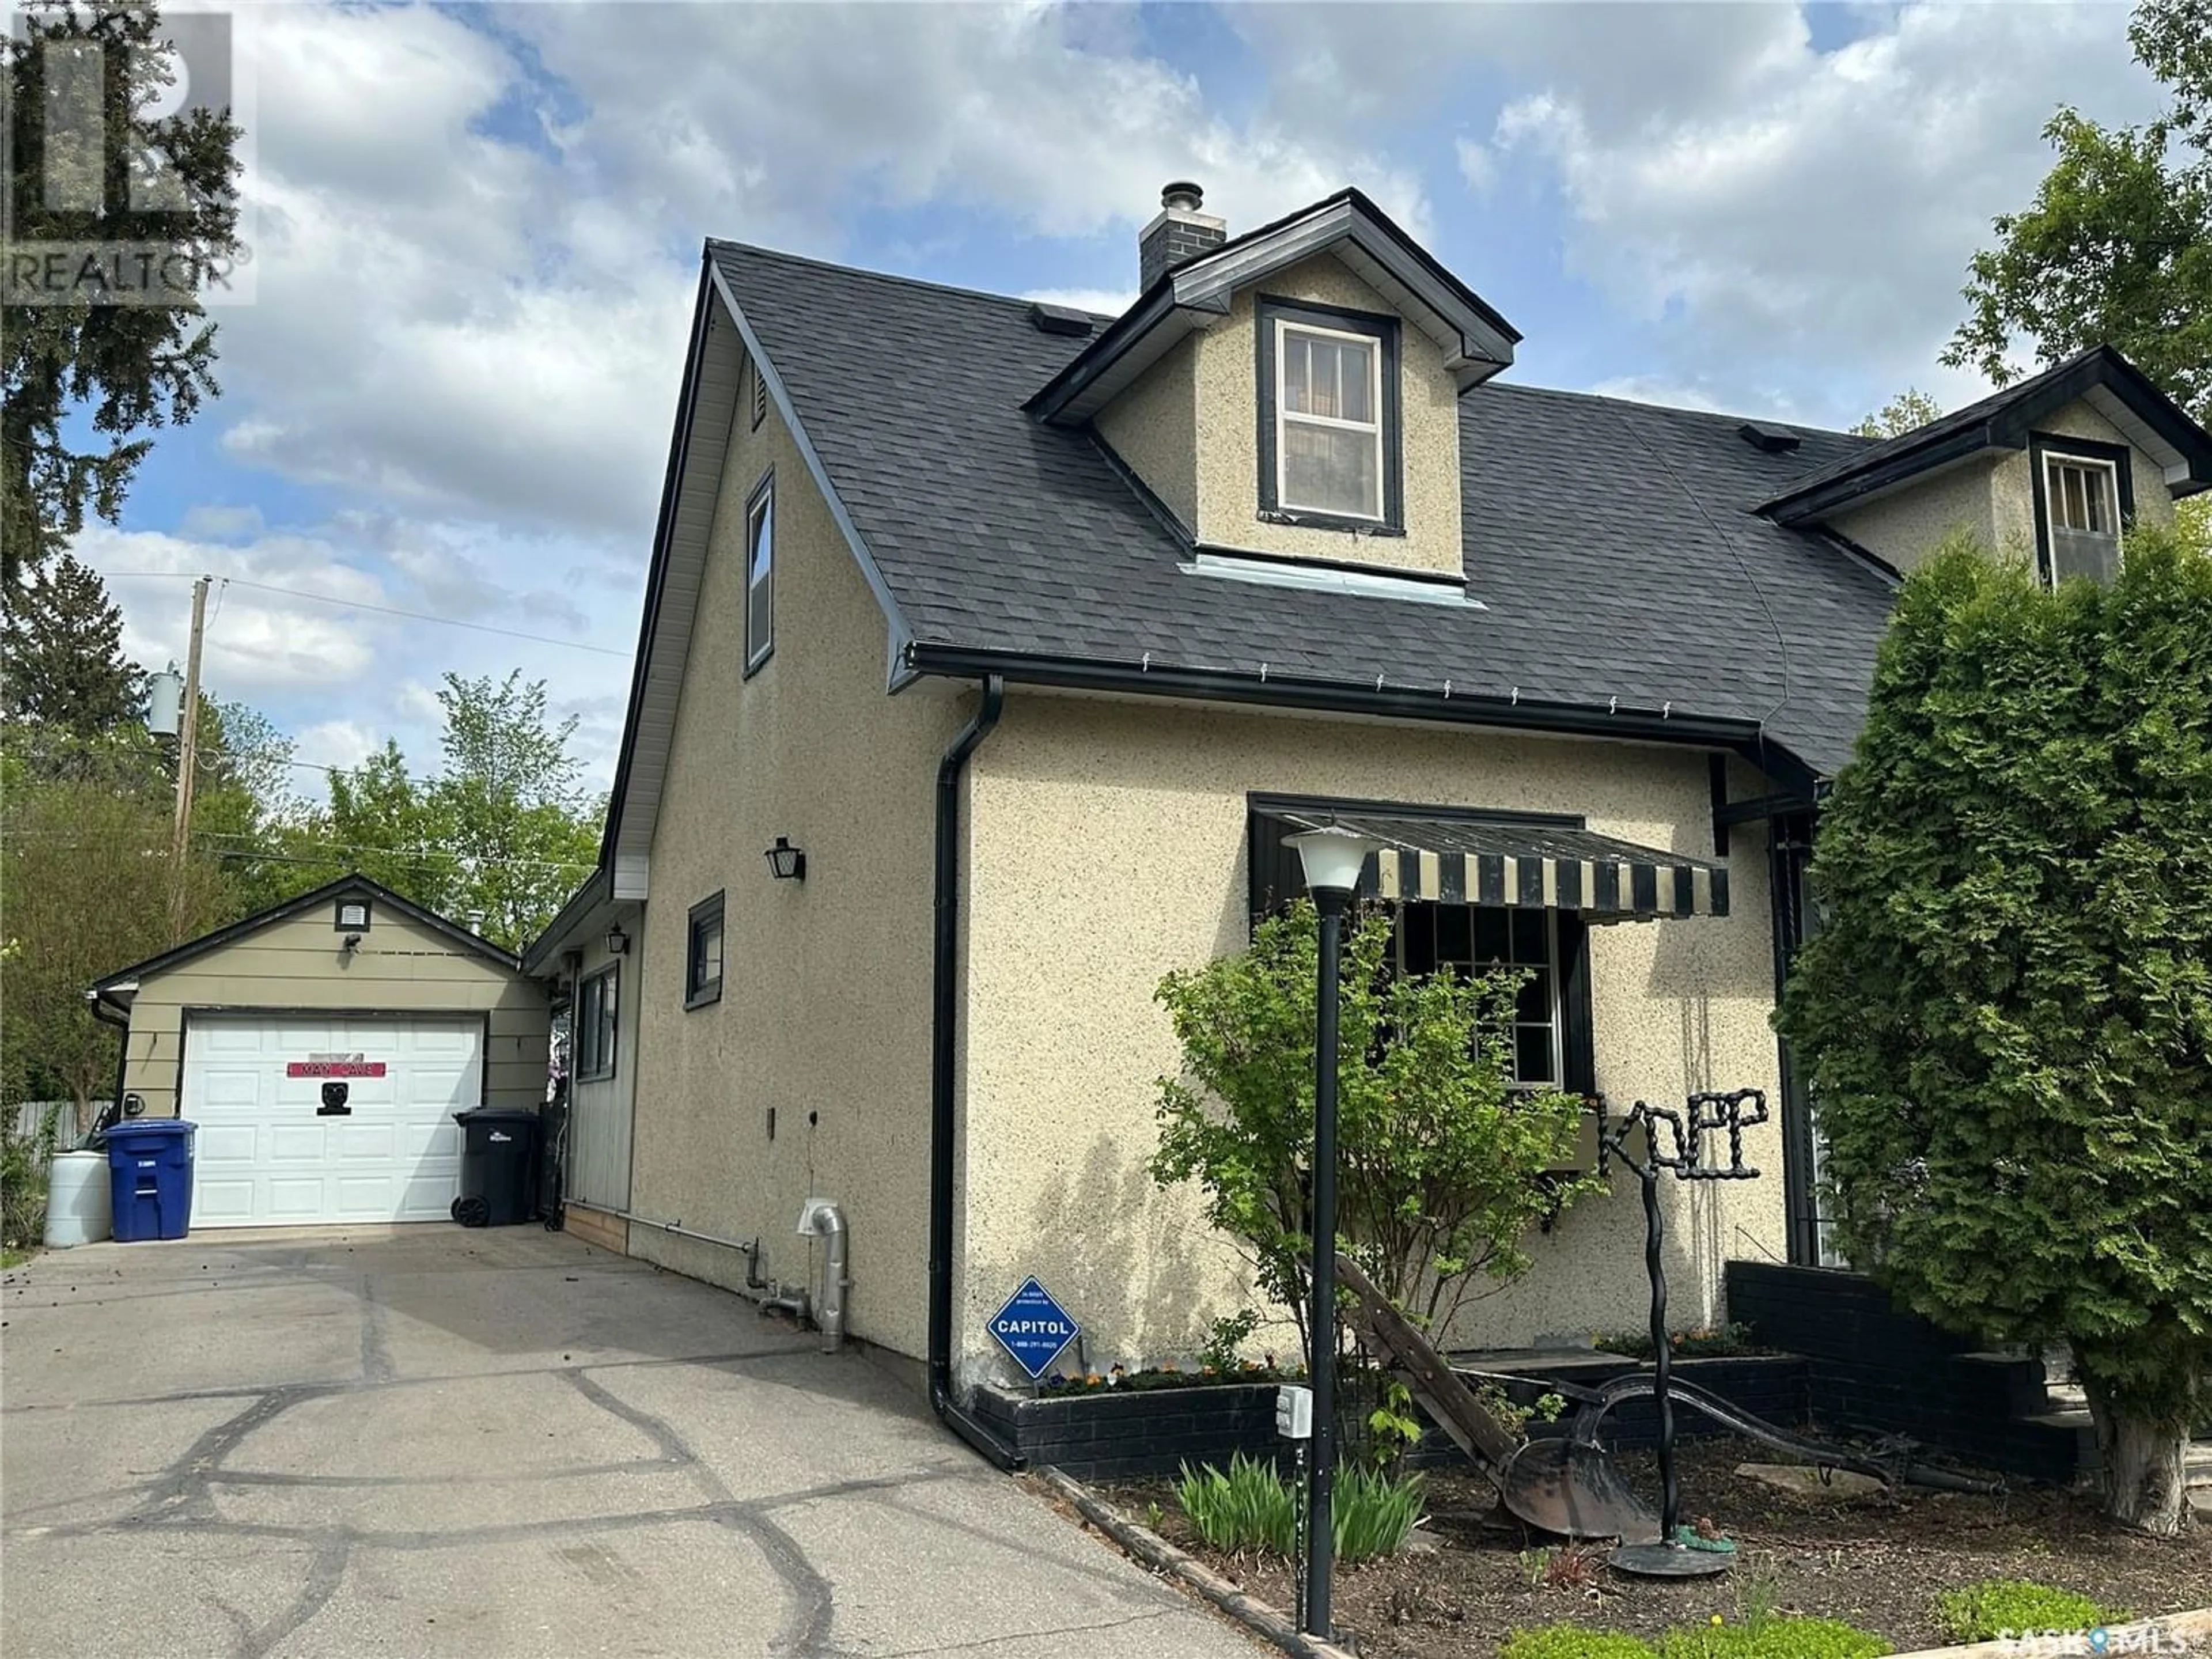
{"x": 25, "y": 1161}
{"x": 1250, "y": 1507}
{"x": 1774, "y": 1638}
{"x": 1370, "y": 1514}
{"x": 1709, "y": 1342}
{"x": 1998, "y": 1608}
{"x": 1573, "y": 1642}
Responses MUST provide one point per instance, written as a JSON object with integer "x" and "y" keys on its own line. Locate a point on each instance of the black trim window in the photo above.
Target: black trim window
{"x": 760, "y": 575}
{"x": 703, "y": 955}
{"x": 595, "y": 1025}
{"x": 2084, "y": 496}
{"x": 1468, "y": 940}
{"x": 1329, "y": 441}
{"x": 351, "y": 915}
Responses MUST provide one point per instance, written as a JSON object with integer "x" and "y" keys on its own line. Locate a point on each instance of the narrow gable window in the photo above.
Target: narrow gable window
{"x": 2084, "y": 497}
{"x": 2083, "y": 502}
{"x": 760, "y": 575}
{"x": 1329, "y": 437}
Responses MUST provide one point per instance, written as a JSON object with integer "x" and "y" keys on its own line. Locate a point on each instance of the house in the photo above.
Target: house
{"x": 322, "y": 1047}
{"x": 991, "y": 647}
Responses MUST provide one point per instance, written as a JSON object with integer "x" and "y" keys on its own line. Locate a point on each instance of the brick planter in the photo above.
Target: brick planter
{"x": 1110, "y": 1434}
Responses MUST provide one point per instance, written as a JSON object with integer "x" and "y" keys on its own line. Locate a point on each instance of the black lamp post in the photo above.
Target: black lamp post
{"x": 1331, "y": 860}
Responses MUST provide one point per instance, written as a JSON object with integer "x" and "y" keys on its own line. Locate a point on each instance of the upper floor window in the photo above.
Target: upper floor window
{"x": 1328, "y": 416}
{"x": 760, "y": 575}
{"x": 595, "y": 1025}
{"x": 2082, "y": 499}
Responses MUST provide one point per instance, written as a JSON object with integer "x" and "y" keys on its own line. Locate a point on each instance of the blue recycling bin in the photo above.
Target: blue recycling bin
{"x": 149, "y": 1173}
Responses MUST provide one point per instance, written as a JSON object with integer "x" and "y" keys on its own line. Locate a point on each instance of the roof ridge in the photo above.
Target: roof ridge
{"x": 1503, "y": 385}
{"x": 899, "y": 278}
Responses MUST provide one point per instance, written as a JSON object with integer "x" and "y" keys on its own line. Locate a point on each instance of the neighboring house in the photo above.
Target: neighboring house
{"x": 1035, "y": 631}
{"x": 239, "y": 1029}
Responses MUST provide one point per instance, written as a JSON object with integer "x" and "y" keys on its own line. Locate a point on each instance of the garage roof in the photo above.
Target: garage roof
{"x": 125, "y": 981}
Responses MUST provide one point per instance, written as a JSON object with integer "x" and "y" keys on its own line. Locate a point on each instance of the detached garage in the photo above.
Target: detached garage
{"x": 406, "y": 1016}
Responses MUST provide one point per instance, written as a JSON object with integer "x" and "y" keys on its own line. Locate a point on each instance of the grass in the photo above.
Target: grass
{"x": 12, "y": 1257}
{"x": 1766, "y": 1638}
{"x": 2000, "y": 1608}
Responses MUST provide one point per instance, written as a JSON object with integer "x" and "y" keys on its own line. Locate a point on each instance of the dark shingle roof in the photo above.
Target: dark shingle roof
{"x": 1615, "y": 544}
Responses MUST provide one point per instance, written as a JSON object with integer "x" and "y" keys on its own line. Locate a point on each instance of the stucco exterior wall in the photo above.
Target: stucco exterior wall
{"x": 599, "y": 1111}
{"x": 1226, "y": 388}
{"x": 1904, "y": 527}
{"x": 825, "y": 1013}
{"x": 296, "y": 965}
{"x": 1110, "y": 846}
{"x": 1153, "y": 427}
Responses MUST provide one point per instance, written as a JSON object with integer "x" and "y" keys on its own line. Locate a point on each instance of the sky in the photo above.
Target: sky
{"x": 476, "y": 236}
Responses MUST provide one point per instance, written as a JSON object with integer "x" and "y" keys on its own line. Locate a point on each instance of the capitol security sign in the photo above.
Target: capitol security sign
{"x": 1033, "y": 1327}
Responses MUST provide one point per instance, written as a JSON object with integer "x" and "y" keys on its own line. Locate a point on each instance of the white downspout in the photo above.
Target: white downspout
{"x": 824, "y": 1220}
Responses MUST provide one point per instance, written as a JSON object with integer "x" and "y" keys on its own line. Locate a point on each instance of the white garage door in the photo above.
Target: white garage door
{"x": 265, "y": 1158}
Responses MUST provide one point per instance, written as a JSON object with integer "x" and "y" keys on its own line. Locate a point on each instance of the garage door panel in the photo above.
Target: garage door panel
{"x": 264, "y": 1157}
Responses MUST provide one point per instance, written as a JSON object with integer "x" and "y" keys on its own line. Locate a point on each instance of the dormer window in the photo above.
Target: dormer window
{"x": 2082, "y": 499}
{"x": 1329, "y": 418}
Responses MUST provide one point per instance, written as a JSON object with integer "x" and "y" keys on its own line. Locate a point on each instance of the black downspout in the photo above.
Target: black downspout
{"x": 1787, "y": 838}
{"x": 942, "y": 1049}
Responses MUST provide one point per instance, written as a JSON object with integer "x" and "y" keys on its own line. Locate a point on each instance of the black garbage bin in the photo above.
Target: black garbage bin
{"x": 499, "y": 1166}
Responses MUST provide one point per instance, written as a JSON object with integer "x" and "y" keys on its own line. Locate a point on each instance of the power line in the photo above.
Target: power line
{"x": 381, "y": 610}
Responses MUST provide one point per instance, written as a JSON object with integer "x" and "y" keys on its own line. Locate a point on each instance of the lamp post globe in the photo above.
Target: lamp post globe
{"x": 1332, "y": 858}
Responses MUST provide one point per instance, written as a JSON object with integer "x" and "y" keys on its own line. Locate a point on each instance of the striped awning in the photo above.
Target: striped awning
{"x": 1473, "y": 861}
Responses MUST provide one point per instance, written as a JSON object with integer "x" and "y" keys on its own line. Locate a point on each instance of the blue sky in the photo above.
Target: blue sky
{"x": 475, "y": 235}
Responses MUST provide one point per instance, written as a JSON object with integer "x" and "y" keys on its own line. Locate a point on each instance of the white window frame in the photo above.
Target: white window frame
{"x": 1285, "y": 417}
{"x": 1551, "y": 965}
{"x": 2053, "y": 496}
{"x": 760, "y": 587}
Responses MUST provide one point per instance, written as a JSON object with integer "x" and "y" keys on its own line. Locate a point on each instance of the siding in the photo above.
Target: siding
{"x": 600, "y": 1113}
{"x": 296, "y": 965}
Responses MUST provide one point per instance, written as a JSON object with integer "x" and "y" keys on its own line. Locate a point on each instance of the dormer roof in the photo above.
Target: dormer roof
{"x": 2100, "y": 377}
{"x": 1477, "y": 342}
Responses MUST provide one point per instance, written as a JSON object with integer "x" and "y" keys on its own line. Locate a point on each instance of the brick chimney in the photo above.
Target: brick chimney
{"x": 1178, "y": 235}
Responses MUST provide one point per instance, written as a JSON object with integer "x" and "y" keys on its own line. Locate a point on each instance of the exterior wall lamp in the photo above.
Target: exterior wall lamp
{"x": 786, "y": 862}
{"x": 618, "y": 941}
{"x": 1331, "y": 858}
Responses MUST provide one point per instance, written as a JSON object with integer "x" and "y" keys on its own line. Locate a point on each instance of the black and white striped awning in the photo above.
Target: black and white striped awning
{"x": 1473, "y": 861}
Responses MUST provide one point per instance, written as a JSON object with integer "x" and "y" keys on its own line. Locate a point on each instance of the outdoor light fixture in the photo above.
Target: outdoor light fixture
{"x": 785, "y": 862}
{"x": 618, "y": 941}
{"x": 1331, "y": 858}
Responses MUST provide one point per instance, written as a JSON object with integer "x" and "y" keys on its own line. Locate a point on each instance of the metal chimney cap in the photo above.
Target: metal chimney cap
{"x": 1181, "y": 196}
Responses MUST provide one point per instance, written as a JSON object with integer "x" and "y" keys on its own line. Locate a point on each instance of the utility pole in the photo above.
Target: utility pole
{"x": 188, "y": 735}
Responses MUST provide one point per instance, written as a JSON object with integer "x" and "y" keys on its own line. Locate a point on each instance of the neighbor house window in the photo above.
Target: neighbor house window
{"x": 760, "y": 575}
{"x": 703, "y": 961}
{"x": 1328, "y": 416}
{"x": 595, "y": 1025}
{"x": 1468, "y": 940}
{"x": 2084, "y": 497}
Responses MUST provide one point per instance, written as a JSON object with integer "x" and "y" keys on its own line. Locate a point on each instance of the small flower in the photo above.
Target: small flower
{"x": 1717, "y": 1619}
{"x": 1092, "y": 1380}
{"x": 1168, "y": 1367}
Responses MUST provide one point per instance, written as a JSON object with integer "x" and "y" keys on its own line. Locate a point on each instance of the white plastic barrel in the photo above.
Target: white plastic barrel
{"x": 78, "y": 1210}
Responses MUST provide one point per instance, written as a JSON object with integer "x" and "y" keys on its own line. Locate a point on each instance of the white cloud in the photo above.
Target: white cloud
{"x": 1108, "y": 301}
{"x": 1815, "y": 207}
{"x": 1477, "y": 166}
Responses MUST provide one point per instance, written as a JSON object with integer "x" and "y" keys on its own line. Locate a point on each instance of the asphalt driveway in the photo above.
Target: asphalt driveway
{"x": 424, "y": 1442}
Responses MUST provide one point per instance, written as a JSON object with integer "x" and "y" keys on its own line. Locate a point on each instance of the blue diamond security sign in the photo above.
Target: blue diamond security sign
{"x": 1033, "y": 1327}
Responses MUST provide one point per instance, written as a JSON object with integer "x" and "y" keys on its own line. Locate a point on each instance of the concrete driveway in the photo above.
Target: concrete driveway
{"x": 422, "y": 1441}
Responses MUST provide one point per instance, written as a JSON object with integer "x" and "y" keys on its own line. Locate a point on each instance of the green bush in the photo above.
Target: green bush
{"x": 1370, "y": 1514}
{"x": 1773, "y": 1638}
{"x": 1573, "y": 1642}
{"x": 1998, "y": 1608}
{"x": 25, "y": 1161}
{"x": 1250, "y": 1507}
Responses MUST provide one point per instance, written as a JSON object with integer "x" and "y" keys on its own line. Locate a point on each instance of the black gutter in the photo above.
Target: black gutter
{"x": 1740, "y": 737}
{"x": 942, "y": 1104}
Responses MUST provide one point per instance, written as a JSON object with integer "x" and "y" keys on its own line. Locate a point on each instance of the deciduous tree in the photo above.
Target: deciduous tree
{"x": 1908, "y": 411}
